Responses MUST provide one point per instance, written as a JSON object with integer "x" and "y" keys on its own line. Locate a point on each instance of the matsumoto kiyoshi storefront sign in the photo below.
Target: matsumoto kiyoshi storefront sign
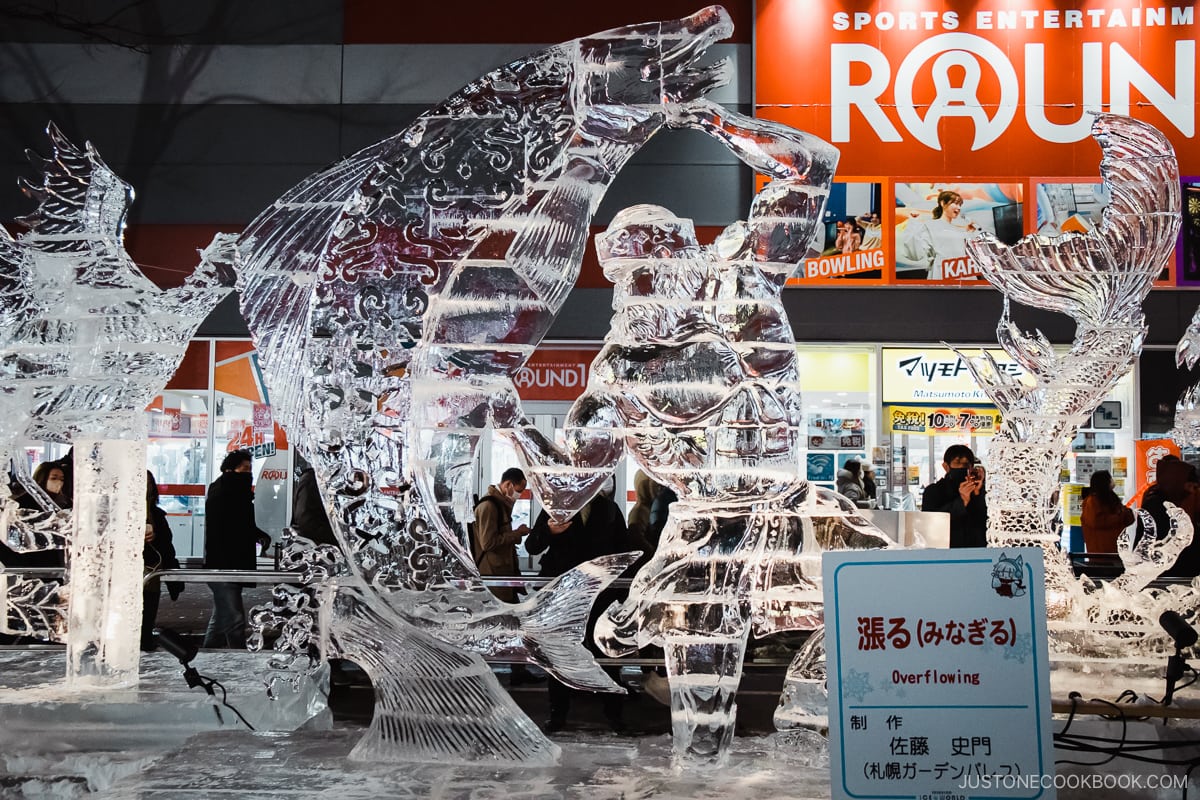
{"x": 929, "y": 376}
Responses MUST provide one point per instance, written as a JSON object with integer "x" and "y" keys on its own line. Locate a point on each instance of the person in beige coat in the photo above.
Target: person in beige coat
{"x": 495, "y": 542}
{"x": 494, "y": 545}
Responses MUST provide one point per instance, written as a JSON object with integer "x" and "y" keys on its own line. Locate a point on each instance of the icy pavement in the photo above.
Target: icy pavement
{"x": 594, "y": 766}
{"x": 57, "y": 741}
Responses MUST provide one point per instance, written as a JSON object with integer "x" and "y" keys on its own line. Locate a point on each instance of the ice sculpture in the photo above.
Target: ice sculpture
{"x": 804, "y": 701}
{"x": 698, "y": 381}
{"x": 1186, "y": 430}
{"x": 1099, "y": 279}
{"x": 86, "y": 341}
{"x": 391, "y": 299}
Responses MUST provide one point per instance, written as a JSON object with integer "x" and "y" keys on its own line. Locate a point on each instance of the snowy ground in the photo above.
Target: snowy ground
{"x": 161, "y": 741}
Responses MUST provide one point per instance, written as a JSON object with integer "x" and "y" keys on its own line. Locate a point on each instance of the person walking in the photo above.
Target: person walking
{"x": 158, "y": 553}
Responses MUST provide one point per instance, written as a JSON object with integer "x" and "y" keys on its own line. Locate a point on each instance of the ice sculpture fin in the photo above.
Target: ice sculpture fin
{"x": 1130, "y": 245}
{"x": 279, "y": 266}
{"x": 1002, "y": 389}
{"x": 1152, "y": 554}
{"x": 79, "y": 197}
{"x": 434, "y": 702}
{"x": 1032, "y": 351}
{"x": 1188, "y": 350}
{"x": 556, "y": 622}
{"x": 1186, "y": 428}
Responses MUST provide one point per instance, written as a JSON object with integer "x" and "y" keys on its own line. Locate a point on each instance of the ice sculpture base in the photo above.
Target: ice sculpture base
{"x": 594, "y": 766}
{"x": 63, "y": 741}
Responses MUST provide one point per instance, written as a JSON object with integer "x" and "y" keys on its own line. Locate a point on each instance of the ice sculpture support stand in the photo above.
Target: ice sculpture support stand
{"x": 105, "y": 602}
{"x": 702, "y": 703}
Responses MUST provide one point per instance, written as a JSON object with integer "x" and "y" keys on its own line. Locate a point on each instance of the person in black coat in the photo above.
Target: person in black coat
{"x": 961, "y": 494}
{"x": 230, "y": 541}
{"x": 598, "y": 530}
{"x": 157, "y": 554}
{"x": 309, "y": 518}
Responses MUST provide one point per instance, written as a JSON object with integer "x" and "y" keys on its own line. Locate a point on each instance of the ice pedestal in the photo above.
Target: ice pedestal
{"x": 104, "y": 606}
{"x": 59, "y": 738}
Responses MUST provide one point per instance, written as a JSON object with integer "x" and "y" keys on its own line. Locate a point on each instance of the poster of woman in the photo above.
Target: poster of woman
{"x": 934, "y": 221}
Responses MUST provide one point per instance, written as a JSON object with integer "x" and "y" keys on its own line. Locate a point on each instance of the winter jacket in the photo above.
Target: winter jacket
{"x": 1103, "y": 524}
{"x": 230, "y": 535}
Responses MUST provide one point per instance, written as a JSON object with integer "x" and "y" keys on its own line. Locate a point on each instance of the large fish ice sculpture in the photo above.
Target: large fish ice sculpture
{"x": 393, "y": 297}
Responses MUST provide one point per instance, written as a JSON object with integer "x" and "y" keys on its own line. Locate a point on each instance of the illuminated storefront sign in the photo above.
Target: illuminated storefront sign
{"x": 959, "y": 117}
{"x": 555, "y": 374}
{"x": 933, "y": 420}
{"x": 923, "y": 376}
{"x": 975, "y": 87}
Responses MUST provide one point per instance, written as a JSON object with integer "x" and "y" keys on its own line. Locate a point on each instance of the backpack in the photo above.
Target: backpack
{"x": 471, "y": 525}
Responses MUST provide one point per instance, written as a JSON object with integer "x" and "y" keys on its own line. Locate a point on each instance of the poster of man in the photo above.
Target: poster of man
{"x": 1064, "y": 207}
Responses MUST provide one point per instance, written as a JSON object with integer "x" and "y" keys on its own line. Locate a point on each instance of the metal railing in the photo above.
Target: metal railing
{"x": 252, "y": 577}
{"x": 269, "y": 576}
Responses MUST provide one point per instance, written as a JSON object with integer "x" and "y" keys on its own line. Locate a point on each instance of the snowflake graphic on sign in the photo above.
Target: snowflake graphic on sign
{"x": 857, "y": 685}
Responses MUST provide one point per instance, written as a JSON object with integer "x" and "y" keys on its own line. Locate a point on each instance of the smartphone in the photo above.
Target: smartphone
{"x": 975, "y": 473}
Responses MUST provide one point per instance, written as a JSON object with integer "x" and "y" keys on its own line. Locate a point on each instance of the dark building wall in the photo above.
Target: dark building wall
{"x": 213, "y": 109}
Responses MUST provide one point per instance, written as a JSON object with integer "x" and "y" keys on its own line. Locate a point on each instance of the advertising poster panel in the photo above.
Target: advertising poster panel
{"x": 853, "y": 244}
{"x": 935, "y": 219}
{"x": 1189, "y": 233}
{"x": 989, "y": 101}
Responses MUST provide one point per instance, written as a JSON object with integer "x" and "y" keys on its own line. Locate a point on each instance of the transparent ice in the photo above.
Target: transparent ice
{"x": 86, "y": 342}
{"x": 1100, "y": 279}
{"x": 391, "y": 299}
{"x": 698, "y": 381}
{"x": 1186, "y": 430}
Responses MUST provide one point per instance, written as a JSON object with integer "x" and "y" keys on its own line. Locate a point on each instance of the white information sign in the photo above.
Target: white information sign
{"x": 938, "y": 674}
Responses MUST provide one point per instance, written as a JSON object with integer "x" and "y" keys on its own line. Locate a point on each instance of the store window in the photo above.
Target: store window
{"x": 840, "y": 408}
{"x": 178, "y": 449}
{"x": 216, "y": 402}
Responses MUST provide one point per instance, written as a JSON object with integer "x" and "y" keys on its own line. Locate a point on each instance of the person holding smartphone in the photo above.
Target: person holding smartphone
{"x": 961, "y": 494}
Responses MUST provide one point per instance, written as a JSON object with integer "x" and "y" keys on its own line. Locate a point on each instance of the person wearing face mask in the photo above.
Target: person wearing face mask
{"x": 494, "y": 545}
{"x": 961, "y": 494}
{"x": 51, "y": 477}
{"x": 230, "y": 540}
